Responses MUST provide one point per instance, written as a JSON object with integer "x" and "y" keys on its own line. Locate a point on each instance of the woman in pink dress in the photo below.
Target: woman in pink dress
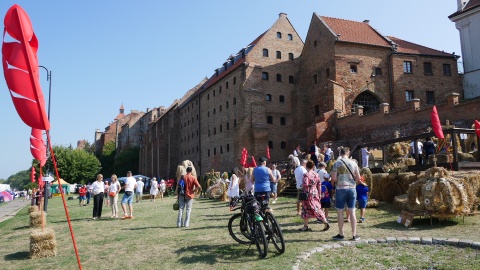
{"x": 311, "y": 208}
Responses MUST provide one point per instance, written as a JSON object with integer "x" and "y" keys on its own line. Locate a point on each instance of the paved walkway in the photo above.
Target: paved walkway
{"x": 11, "y": 208}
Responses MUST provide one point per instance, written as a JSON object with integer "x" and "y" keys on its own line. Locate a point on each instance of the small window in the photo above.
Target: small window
{"x": 279, "y": 77}
{"x": 265, "y": 52}
{"x": 227, "y": 104}
{"x": 234, "y": 122}
{"x": 290, "y": 37}
{"x": 220, "y": 108}
{"x": 279, "y": 54}
{"x": 265, "y": 76}
{"x": 220, "y": 89}
{"x": 353, "y": 68}
{"x": 281, "y": 98}
{"x": 228, "y": 147}
{"x": 279, "y": 35}
{"x": 446, "y": 70}
{"x": 228, "y": 125}
{"x": 234, "y": 101}
{"x": 214, "y": 151}
{"x": 208, "y": 114}
{"x": 314, "y": 43}
{"x": 283, "y": 122}
{"x": 270, "y": 144}
{"x": 317, "y": 110}
{"x": 407, "y": 67}
{"x": 208, "y": 152}
{"x": 209, "y": 133}
{"x": 214, "y": 92}
{"x": 409, "y": 95}
{"x": 315, "y": 79}
{"x": 269, "y": 119}
{"x": 226, "y": 85}
{"x": 268, "y": 97}
{"x": 290, "y": 79}
{"x": 378, "y": 71}
{"x": 327, "y": 72}
{"x": 221, "y": 128}
{"x": 214, "y": 111}
{"x": 283, "y": 145}
{"x": 214, "y": 131}
{"x": 430, "y": 97}
{"x": 427, "y": 68}
{"x": 234, "y": 80}
{"x": 208, "y": 96}
{"x": 290, "y": 56}
{"x": 221, "y": 149}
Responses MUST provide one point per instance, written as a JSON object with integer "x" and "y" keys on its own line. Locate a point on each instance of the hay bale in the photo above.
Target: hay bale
{"x": 42, "y": 243}
{"x": 32, "y": 209}
{"x": 401, "y": 202}
{"x": 395, "y": 184}
{"x": 466, "y": 157}
{"x": 37, "y": 219}
{"x": 375, "y": 192}
{"x": 405, "y": 161}
{"x": 372, "y": 203}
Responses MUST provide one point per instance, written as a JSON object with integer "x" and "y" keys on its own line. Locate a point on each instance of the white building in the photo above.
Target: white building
{"x": 467, "y": 21}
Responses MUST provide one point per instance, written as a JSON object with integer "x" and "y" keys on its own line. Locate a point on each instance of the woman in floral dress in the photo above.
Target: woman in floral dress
{"x": 311, "y": 208}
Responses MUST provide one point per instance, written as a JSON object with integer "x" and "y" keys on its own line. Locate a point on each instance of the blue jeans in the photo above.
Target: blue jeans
{"x": 182, "y": 202}
{"x": 348, "y": 196}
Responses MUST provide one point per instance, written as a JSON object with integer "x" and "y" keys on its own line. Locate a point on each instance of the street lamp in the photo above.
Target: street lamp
{"x": 47, "y": 184}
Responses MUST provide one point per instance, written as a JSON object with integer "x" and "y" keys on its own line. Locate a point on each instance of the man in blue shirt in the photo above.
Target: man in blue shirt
{"x": 262, "y": 175}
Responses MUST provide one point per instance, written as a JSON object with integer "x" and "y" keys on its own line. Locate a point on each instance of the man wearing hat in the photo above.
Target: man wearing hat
{"x": 262, "y": 175}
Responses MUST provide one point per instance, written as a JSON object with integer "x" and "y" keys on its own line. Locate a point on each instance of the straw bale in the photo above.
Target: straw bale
{"x": 42, "y": 243}
{"x": 372, "y": 203}
{"x": 375, "y": 191}
{"x": 37, "y": 219}
{"x": 466, "y": 157}
{"x": 32, "y": 209}
{"x": 400, "y": 202}
{"x": 395, "y": 184}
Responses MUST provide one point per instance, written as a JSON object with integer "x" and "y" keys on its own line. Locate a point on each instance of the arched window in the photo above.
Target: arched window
{"x": 279, "y": 35}
{"x": 369, "y": 102}
{"x": 265, "y": 52}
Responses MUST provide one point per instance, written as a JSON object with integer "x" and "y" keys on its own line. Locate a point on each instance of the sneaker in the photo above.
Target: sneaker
{"x": 274, "y": 202}
{"x": 338, "y": 237}
{"x": 362, "y": 220}
{"x": 355, "y": 238}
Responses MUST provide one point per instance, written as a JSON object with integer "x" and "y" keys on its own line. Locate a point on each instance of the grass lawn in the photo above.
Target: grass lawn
{"x": 152, "y": 241}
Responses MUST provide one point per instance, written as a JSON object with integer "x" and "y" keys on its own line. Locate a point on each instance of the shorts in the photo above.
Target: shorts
{"x": 326, "y": 205}
{"x": 345, "y": 196}
{"x": 298, "y": 192}
{"x": 82, "y": 198}
{"x": 127, "y": 199}
{"x": 362, "y": 203}
{"x": 262, "y": 197}
{"x": 273, "y": 187}
{"x": 138, "y": 193}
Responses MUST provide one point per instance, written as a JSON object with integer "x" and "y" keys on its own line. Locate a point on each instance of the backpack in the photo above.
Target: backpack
{"x": 181, "y": 187}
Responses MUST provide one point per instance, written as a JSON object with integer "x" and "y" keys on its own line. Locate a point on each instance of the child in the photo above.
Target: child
{"x": 362, "y": 198}
{"x": 325, "y": 201}
{"x": 162, "y": 188}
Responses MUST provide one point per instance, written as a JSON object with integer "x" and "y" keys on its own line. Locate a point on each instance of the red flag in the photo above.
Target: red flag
{"x": 37, "y": 146}
{"x": 437, "y": 127}
{"x": 477, "y": 128}
{"x": 32, "y": 175}
{"x": 243, "y": 161}
{"x": 253, "y": 163}
{"x": 268, "y": 152}
{"x": 20, "y": 68}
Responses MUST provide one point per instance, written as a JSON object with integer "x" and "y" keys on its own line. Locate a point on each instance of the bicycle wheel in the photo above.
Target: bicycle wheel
{"x": 238, "y": 229}
{"x": 260, "y": 239}
{"x": 275, "y": 232}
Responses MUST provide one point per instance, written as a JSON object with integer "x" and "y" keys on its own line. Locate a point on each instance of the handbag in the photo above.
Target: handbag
{"x": 302, "y": 196}
{"x": 176, "y": 205}
{"x": 112, "y": 193}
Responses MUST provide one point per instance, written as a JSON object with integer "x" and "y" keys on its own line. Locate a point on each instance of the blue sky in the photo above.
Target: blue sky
{"x": 145, "y": 54}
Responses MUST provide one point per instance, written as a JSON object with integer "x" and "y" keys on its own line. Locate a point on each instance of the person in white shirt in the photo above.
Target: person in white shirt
{"x": 154, "y": 189}
{"x": 322, "y": 173}
{"x": 274, "y": 183}
{"x": 127, "y": 198}
{"x": 294, "y": 161}
{"x": 420, "y": 151}
{"x": 233, "y": 187}
{"x": 97, "y": 189}
{"x": 162, "y": 188}
{"x": 365, "y": 156}
{"x": 115, "y": 188}
{"x": 299, "y": 172}
{"x": 139, "y": 190}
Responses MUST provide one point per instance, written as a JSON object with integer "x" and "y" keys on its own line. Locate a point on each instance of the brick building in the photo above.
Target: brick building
{"x": 346, "y": 82}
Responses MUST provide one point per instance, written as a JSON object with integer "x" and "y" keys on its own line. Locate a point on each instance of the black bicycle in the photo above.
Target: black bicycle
{"x": 247, "y": 227}
{"x": 272, "y": 228}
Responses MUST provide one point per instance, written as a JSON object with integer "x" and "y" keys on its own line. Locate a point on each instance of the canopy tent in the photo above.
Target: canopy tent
{"x": 54, "y": 186}
{"x": 7, "y": 196}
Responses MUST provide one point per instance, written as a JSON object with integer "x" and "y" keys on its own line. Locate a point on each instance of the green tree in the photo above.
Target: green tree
{"x": 74, "y": 166}
{"x": 127, "y": 161}
{"x": 107, "y": 159}
{"x": 19, "y": 180}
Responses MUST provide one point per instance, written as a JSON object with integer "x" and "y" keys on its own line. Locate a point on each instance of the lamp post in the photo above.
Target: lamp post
{"x": 47, "y": 184}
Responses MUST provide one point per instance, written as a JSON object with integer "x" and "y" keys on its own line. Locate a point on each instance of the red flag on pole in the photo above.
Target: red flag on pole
{"x": 20, "y": 68}
{"x": 477, "y": 128}
{"x": 32, "y": 175}
{"x": 243, "y": 160}
{"x": 437, "y": 127}
{"x": 253, "y": 163}
{"x": 37, "y": 146}
{"x": 268, "y": 152}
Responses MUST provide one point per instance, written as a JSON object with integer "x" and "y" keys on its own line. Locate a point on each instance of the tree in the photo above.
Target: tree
{"x": 19, "y": 180}
{"x": 127, "y": 161}
{"x": 107, "y": 158}
{"x": 74, "y": 166}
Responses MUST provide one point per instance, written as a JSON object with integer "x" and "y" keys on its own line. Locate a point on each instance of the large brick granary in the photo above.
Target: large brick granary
{"x": 279, "y": 91}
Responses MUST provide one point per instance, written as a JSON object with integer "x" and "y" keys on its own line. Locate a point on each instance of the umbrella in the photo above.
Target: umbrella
{"x": 6, "y": 196}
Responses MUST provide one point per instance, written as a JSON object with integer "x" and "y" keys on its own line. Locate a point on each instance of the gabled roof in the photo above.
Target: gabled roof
{"x": 412, "y": 48}
{"x": 355, "y": 32}
{"x": 472, "y": 4}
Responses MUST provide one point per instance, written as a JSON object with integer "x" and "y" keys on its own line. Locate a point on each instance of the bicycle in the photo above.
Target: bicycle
{"x": 250, "y": 224}
{"x": 272, "y": 228}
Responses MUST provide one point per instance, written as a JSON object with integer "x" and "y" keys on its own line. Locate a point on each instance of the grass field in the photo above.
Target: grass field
{"x": 152, "y": 241}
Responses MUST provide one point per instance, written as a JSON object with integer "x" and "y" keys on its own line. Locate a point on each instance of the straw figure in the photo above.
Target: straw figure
{"x": 443, "y": 195}
{"x": 42, "y": 243}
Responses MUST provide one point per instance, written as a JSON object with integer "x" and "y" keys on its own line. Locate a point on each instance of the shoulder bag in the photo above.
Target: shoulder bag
{"x": 176, "y": 205}
{"x": 348, "y": 168}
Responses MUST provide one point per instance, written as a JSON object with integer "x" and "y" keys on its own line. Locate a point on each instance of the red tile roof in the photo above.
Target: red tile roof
{"x": 412, "y": 48}
{"x": 356, "y": 32}
{"x": 469, "y": 6}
